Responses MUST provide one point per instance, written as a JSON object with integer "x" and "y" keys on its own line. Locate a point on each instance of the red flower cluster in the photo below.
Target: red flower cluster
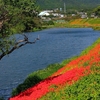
{"x": 92, "y": 57}
{"x": 43, "y": 87}
{"x": 66, "y": 75}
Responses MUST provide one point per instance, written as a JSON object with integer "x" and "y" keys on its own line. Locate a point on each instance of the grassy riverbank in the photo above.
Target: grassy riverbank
{"x": 78, "y": 23}
{"x": 91, "y": 22}
{"x": 75, "y": 78}
{"x": 40, "y": 75}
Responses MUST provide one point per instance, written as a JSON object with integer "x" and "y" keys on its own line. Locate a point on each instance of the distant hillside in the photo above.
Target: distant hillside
{"x": 70, "y": 4}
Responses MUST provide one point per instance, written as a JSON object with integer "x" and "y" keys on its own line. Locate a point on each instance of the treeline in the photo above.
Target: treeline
{"x": 18, "y": 16}
{"x": 97, "y": 11}
{"x": 70, "y": 4}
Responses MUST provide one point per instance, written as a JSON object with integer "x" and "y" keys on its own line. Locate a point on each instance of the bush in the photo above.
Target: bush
{"x": 48, "y": 23}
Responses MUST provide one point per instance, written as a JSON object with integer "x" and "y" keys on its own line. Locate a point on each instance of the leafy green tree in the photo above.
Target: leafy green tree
{"x": 97, "y": 11}
{"x": 16, "y": 16}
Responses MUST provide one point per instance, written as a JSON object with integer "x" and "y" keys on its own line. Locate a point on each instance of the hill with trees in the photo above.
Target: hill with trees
{"x": 97, "y": 11}
{"x": 70, "y": 4}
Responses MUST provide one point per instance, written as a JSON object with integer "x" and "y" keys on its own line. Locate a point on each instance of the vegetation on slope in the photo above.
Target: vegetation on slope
{"x": 72, "y": 4}
{"x": 78, "y": 23}
{"x": 97, "y": 11}
{"x": 79, "y": 79}
{"x": 88, "y": 87}
{"x": 39, "y": 75}
{"x": 91, "y": 22}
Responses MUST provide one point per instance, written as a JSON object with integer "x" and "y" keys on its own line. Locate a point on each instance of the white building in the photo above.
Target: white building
{"x": 44, "y": 13}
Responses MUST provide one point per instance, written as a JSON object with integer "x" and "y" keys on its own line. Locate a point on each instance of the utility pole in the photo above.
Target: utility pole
{"x": 64, "y": 8}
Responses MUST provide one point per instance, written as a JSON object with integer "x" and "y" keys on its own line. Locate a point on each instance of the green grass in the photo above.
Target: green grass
{"x": 84, "y": 21}
{"x": 94, "y": 21}
{"x": 67, "y": 24}
{"x": 40, "y": 75}
{"x": 90, "y": 47}
{"x": 66, "y": 61}
{"x": 35, "y": 78}
{"x": 91, "y": 21}
{"x": 87, "y": 88}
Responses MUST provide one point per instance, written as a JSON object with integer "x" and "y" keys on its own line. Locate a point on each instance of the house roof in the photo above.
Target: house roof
{"x": 44, "y": 13}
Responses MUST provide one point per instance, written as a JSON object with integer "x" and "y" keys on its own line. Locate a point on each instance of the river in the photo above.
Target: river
{"x": 55, "y": 45}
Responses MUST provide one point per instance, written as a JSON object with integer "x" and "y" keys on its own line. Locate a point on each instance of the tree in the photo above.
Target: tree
{"x": 97, "y": 11}
{"x": 16, "y": 16}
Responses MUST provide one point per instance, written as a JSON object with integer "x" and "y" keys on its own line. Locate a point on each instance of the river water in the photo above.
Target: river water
{"x": 55, "y": 45}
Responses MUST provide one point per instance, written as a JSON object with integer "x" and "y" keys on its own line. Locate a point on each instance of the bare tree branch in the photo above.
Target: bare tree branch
{"x": 17, "y": 45}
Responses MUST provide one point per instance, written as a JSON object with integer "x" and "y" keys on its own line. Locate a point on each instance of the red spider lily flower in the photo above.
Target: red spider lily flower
{"x": 70, "y": 73}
